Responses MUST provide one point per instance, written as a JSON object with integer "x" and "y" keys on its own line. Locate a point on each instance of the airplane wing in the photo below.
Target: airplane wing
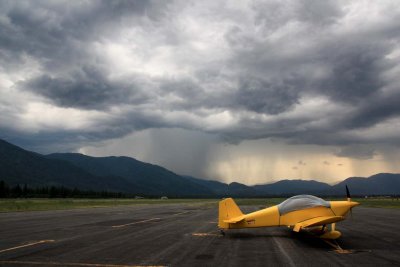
{"x": 317, "y": 221}
{"x": 235, "y": 219}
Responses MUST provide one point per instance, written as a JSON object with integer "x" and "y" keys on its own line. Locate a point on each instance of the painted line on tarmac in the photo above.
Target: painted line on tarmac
{"x": 123, "y": 225}
{"x": 206, "y": 234}
{"x": 27, "y": 245}
{"x": 283, "y": 251}
{"x": 78, "y": 264}
{"x": 148, "y": 220}
{"x": 179, "y": 213}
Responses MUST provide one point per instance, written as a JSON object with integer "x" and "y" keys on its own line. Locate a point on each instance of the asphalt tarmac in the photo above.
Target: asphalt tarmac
{"x": 186, "y": 235}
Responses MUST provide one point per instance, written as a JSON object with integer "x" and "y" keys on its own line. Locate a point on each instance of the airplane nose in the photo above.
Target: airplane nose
{"x": 353, "y": 204}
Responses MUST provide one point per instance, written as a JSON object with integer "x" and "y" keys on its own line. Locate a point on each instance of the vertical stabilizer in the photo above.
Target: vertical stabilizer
{"x": 227, "y": 210}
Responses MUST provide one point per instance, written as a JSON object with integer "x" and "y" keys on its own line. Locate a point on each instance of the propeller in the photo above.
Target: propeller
{"x": 349, "y": 199}
{"x": 348, "y": 193}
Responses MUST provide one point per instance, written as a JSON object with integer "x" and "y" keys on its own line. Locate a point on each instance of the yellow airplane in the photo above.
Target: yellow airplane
{"x": 298, "y": 212}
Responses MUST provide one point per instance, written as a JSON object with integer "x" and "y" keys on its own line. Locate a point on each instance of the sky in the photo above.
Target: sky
{"x": 245, "y": 91}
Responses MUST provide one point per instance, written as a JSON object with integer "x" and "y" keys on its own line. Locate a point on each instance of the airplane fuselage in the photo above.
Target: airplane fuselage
{"x": 271, "y": 216}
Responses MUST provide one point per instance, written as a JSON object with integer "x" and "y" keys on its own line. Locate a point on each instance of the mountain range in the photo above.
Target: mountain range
{"x": 128, "y": 175}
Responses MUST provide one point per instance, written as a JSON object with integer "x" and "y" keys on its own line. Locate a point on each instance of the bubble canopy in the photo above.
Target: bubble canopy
{"x": 301, "y": 202}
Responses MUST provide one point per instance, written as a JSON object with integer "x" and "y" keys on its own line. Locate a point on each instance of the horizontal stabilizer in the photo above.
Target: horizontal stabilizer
{"x": 235, "y": 220}
{"x": 317, "y": 222}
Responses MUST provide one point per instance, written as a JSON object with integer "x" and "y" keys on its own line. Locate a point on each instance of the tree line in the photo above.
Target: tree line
{"x": 25, "y": 191}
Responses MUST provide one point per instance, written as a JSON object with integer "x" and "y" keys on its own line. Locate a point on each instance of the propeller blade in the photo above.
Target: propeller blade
{"x": 348, "y": 193}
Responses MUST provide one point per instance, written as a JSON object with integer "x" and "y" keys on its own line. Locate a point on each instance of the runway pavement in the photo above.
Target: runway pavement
{"x": 186, "y": 235}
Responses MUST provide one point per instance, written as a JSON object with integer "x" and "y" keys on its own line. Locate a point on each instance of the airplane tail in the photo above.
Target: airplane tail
{"x": 227, "y": 210}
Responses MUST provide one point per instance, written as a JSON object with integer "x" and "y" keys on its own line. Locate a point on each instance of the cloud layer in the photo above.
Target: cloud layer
{"x": 307, "y": 72}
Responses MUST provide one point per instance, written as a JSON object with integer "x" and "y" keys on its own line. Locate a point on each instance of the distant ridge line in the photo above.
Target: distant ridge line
{"x": 128, "y": 175}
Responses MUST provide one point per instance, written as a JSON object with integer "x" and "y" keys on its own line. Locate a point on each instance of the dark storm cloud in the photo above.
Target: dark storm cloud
{"x": 354, "y": 63}
{"x": 355, "y": 74}
{"x": 243, "y": 73}
{"x": 375, "y": 109}
{"x": 57, "y": 33}
{"x": 85, "y": 88}
{"x": 266, "y": 97}
{"x": 319, "y": 13}
{"x": 38, "y": 32}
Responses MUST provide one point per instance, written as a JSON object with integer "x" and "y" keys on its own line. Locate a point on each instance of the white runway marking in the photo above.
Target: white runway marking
{"x": 27, "y": 245}
{"x": 148, "y": 220}
{"x": 177, "y": 214}
{"x": 283, "y": 251}
{"x": 78, "y": 264}
{"x": 123, "y": 225}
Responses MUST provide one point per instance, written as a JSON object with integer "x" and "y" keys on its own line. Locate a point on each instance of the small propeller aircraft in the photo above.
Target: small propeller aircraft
{"x": 298, "y": 212}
